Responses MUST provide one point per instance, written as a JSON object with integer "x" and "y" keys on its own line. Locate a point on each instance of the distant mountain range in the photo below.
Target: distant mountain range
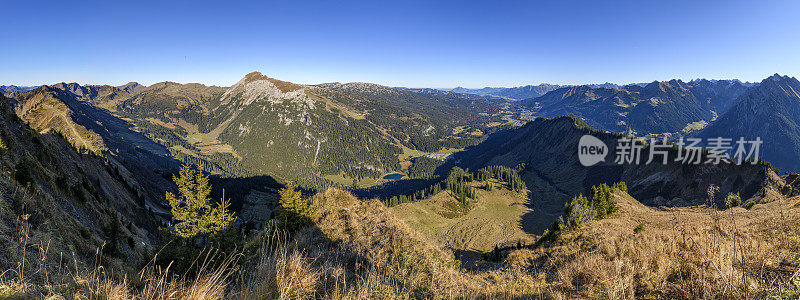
{"x": 340, "y": 133}
{"x": 770, "y": 111}
{"x": 13, "y": 90}
{"x": 533, "y": 91}
{"x": 528, "y": 91}
{"x": 513, "y": 93}
{"x": 656, "y": 108}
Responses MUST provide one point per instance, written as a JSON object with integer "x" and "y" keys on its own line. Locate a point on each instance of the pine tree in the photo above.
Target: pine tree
{"x": 191, "y": 208}
{"x": 294, "y": 211}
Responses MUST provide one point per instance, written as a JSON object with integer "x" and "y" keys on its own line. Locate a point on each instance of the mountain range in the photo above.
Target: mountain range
{"x": 513, "y": 93}
{"x": 656, "y": 108}
{"x": 528, "y": 91}
{"x": 337, "y": 133}
{"x": 13, "y": 90}
{"x": 387, "y": 126}
{"x": 553, "y": 174}
{"x": 769, "y": 111}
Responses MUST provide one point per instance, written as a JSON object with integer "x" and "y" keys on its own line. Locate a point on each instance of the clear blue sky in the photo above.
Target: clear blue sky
{"x": 403, "y": 43}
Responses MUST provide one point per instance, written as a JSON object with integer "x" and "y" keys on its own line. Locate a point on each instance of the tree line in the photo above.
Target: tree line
{"x": 459, "y": 183}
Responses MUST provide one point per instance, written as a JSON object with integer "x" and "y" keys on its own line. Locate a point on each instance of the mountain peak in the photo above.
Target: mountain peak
{"x": 253, "y": 76}
{"x": 255, "y": 86}
{"x": 283, "y": 86}
{"x": 132, "y": 87}
{"x": 783, "y": 82}
{"x": 776, "y": 77}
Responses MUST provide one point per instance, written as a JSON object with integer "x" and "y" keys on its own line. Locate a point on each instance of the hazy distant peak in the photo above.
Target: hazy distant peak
{"x": 512, "y": 93}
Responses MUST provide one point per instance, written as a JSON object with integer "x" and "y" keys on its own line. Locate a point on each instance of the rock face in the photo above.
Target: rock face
{"x": 770, "y": 111}
{"x": 255, "y": 86}
{"x": 257, "y": 208}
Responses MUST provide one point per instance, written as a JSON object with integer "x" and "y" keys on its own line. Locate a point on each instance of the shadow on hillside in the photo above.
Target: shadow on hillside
{"x": 149, "y": 161}
{"x": 237, "y": 188}
{"x": 393, "y": 188}
{"x": 331, "y": 256}
{"x": 468, "y": 258}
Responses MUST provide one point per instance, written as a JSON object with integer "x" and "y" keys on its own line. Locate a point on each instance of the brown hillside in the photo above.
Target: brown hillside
{"x": 689, "y": 252}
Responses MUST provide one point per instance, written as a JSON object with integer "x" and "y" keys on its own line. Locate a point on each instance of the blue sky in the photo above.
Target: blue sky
{"x": 402, "y": 43}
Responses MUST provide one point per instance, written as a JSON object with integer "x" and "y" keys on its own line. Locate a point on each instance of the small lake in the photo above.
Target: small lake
{"x": 393, "y": 176}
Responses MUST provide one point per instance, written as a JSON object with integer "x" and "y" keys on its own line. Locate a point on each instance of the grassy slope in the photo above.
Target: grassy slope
{"x": 356, "y": 249}
{"x": 74, "y": 206}
{"x": 44, "y": 112}
{"x": 690, "y": 252}
{"x": 493, "y": 219}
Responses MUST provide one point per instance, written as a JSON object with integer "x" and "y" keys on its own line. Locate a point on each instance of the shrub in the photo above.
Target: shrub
{"x": 22, "y": 172}
{"x": 638, "y": 228}
{"x": 576, "y": 212}
{"x": 80, "y": 194}
{"x": 749, "y": 205}
{"x": 84, "y": 232}
{"x": 733, "y": 200}
{"x": 62, "y": 182}
{"x": 620, "y": 186}
{"x": 294, "y": 211}
{"x": 581, "y": 210}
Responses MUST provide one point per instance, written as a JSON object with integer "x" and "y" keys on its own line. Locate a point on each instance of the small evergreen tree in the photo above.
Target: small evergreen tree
{"x": 294, "y": 211}
{"x": 603, "y": 200}
{"x": 576, "y": 212}
{"x": 191, "y": 208}
{"x": 733, "y": 200}
{"x": 621, "y": 186}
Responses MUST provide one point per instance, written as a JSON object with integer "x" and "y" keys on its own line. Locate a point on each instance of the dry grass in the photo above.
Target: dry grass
{"x": 151, "y": 283}
{"x": 359, "y": 250}
{"x": 697, "y": 252}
